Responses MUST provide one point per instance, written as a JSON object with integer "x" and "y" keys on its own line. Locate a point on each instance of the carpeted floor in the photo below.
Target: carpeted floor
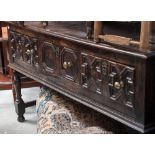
{"x": 10, "y": 125}
{"x": 58, "y": 114}
{"x": 8, "y": 117}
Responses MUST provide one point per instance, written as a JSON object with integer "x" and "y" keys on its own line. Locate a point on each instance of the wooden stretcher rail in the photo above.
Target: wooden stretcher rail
{"x": 120, "y": 40}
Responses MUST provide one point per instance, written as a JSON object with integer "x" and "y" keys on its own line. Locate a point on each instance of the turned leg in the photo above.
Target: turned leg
{"x": 19, "y": 103}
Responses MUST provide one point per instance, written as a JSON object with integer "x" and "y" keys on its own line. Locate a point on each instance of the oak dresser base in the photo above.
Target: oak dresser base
{"x": 116, "y": 81}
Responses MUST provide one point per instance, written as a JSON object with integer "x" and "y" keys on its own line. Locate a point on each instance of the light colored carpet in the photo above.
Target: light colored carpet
{"x": 8, "y": 117}
{"x": 58, "y": 114}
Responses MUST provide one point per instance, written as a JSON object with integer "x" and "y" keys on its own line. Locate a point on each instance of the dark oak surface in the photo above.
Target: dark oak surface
{"x": 117, "y": 81}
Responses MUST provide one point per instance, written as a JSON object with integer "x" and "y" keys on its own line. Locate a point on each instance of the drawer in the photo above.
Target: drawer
{"x": 58, "y": 61}
{"x": 111, "y": 84}
{"x": 108, "y": 78}
{"x": 24, "y": 49}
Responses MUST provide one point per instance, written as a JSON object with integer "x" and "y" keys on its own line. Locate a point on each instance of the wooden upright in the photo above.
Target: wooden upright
{"x": 144, "y": 35}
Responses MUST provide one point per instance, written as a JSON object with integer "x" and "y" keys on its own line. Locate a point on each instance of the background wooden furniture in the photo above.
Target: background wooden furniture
{"x": 145, "y": 41}
{"x": 5, "y": 72}
{"x": 115, "y": 79}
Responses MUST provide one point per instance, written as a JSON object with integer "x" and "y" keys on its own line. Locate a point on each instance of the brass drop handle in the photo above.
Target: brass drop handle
{"x": 119, "y": 85}
{"x": 67, "y": 65}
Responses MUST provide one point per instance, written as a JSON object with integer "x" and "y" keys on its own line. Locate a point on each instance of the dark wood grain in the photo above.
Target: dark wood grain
{"x": 117, "y": 81}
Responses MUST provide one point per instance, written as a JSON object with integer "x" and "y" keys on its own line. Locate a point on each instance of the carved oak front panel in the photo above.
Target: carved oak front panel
{"x": 24, "y": 48}
{"x": 109, "y": 79}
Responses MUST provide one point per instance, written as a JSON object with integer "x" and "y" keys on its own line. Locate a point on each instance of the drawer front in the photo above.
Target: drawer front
{"x": 24, "y": 48}
{"x": 108, "y": 83}
{"x": 102, "y": 82}
{"x": 58, "y": 61}
{"x": 107, "y": 78}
